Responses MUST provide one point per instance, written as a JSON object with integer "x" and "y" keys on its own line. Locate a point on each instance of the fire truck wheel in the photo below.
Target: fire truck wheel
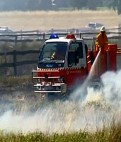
{"x": 57, "y": 96}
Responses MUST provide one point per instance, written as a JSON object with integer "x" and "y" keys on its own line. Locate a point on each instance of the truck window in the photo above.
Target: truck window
{"x": 75, "y": 53}
{"x": 80, "y": 50}
{"x": 53, "y": 51}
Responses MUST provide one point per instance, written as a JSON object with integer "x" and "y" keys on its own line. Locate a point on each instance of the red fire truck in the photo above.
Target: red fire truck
{"x": 66, "y": 61}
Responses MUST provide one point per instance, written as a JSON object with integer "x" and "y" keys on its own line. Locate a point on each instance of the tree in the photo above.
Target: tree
{"x": 93, "y": 4}
{"x": 8, "y": 5}
{"x": 46, "y": 4}
{"x": 119, "y": 7}
{"x": 79, "y": 3}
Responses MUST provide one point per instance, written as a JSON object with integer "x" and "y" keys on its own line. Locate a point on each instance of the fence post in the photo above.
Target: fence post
{"x": 44, "y": 36}
{"x": 15, "y": 40}
{"x": 14, "y": 63}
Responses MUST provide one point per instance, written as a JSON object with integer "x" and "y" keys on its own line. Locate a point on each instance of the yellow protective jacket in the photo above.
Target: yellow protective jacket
{"x": 101, "y": 41}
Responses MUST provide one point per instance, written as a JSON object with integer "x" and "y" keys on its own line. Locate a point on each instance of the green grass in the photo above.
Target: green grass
{"x": 112, "y": 134}
{"x": 107, "y": 134}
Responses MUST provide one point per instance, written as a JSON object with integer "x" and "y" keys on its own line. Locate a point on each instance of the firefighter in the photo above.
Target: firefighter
{"x": 101, "y": 39}
{"x": 58, "y": 54}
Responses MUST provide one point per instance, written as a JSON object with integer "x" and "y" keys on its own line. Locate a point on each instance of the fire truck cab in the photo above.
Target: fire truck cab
{"x": 64, "y": 52}
{"x": 62, "y": 63}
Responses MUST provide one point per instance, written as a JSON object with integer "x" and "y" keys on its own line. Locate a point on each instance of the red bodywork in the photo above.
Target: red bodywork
{"x": 106, "y": 61}
{"x": 70, "y": 76}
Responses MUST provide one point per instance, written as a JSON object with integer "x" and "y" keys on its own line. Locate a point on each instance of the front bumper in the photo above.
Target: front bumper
{"x": 50, "y": 88}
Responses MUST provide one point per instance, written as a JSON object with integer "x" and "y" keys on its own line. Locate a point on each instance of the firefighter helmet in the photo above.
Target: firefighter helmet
{"x": 102, "y": 29}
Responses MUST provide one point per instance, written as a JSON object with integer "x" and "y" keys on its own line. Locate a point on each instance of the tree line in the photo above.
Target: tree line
{"x": 25, "y": 5}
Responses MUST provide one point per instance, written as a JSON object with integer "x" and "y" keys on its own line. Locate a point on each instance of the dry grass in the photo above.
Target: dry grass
{"x": 62, "y": 19}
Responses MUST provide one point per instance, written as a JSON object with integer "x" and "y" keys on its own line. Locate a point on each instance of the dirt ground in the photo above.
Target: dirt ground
{"x": 41, "y": 20}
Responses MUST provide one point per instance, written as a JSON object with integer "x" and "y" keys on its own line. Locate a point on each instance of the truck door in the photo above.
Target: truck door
{"x": 76, "y": 62}
{"x": 77, "y": 54}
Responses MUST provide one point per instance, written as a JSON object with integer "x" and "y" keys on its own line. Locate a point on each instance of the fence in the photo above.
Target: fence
{"x": 36, "y": 35}
{"x": 15, "y": 63}
{"x": 32, "y": 36}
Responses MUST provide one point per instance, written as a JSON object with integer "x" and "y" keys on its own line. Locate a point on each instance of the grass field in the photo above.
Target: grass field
{"x": 111, "y": 135}
{"x": 58, "y": 20}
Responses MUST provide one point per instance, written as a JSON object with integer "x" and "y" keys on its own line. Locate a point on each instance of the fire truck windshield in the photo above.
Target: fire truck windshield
{"x": 53, "y": 51}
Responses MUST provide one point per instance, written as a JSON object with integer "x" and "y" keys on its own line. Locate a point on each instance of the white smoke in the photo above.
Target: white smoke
{"x": 112, "y": 88}
{"x": 94, "y": 110}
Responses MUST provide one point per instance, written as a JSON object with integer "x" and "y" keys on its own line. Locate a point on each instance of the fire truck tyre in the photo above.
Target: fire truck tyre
{"x": 52, "y": 96}
{"x": 57, "y": 96}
